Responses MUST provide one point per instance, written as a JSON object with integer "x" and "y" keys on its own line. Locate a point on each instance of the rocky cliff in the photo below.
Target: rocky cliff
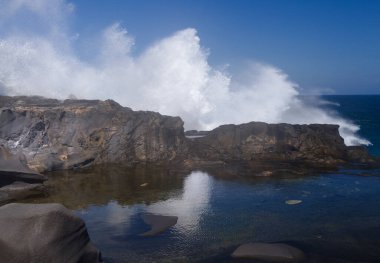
{"x": 318, "y": 143}
{"x": 69, "y": 134}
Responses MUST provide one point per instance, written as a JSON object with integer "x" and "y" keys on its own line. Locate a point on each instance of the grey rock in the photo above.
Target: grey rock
{"x": 158, "y": 223}
{"x": 39, "y": 233}
{"x": 267, "y": 252}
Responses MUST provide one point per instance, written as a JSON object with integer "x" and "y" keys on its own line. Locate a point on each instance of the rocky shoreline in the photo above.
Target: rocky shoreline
{"x": 56, "y": 135}
{"x": 38, "y": 135}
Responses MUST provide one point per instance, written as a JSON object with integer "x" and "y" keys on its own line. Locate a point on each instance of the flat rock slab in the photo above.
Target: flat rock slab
{"x": 44, "y": 233}
{"x": 267, "y": 252}
{"x": 158, "y": 223}
{"x": 20, "y": 190}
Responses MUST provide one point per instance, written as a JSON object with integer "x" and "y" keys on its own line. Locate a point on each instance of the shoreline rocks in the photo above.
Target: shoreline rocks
{"x": 71, "y": 134}
{"x": 44, "y": 233}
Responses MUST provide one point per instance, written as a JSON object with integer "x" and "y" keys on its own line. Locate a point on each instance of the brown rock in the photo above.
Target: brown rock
{"x": 267, "y": 252}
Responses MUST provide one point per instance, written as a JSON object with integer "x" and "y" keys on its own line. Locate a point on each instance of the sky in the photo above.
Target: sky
{"x": 327, "y": 47}
{"x": 211, "y": 62}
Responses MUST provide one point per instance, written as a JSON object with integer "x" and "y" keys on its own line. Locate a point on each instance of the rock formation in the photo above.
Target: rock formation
{"x": 44, "y": 233}
{"x": 68, "y": 134}
{"x": 317, "y": 143}
{"x": 56, "y": 135}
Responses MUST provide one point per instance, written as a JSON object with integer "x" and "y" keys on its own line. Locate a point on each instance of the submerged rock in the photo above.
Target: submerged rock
{"x": 268, "y": 252}
{"x": 44, "y": 233}
{"x": 293, "y": 202}
{"x": 158, "y": 223}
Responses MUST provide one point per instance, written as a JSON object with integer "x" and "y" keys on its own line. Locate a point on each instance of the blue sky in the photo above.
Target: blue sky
{"x": 325, "y": 46}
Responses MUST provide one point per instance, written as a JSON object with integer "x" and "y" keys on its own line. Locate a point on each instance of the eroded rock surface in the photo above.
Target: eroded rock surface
{"x": 44, "y": 233}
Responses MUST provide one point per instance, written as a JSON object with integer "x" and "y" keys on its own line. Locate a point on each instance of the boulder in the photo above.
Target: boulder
{"x": 267, "y": 252}
{"x": 158, "y": 223}
{"x": 39, "y": 233}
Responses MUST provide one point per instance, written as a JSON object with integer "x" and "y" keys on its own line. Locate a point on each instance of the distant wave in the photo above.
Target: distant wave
{"x": 171, "y": 76}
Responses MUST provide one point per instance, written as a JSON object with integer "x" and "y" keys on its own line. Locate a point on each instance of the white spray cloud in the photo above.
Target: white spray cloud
{"x": 172, "y": 76}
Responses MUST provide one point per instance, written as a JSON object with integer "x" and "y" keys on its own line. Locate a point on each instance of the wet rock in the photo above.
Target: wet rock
{"x": 44, "y": 233}
{"x": 158, "y": 223}
{"x": 267, "y": 252}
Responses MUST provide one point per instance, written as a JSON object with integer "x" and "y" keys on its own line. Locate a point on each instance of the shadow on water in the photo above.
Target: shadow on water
{"x": 337, "y": 221}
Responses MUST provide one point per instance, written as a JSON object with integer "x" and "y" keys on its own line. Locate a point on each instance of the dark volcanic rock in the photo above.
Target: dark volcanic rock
{"x": 56, "y": 135}
{"x": 44, "y": 233}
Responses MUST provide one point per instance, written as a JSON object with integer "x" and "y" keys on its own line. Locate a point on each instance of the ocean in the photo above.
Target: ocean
{"x": 363, "y": 110}
{"x": 338, "y": 219}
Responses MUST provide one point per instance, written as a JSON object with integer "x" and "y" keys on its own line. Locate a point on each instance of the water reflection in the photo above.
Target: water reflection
{"x": 189, "y": 206}
{"x": 338, "y": 218}
{"x": 100, "y": 185}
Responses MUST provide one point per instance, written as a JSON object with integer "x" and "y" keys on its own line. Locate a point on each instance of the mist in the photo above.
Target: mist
{"x": 171, "y": 76}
